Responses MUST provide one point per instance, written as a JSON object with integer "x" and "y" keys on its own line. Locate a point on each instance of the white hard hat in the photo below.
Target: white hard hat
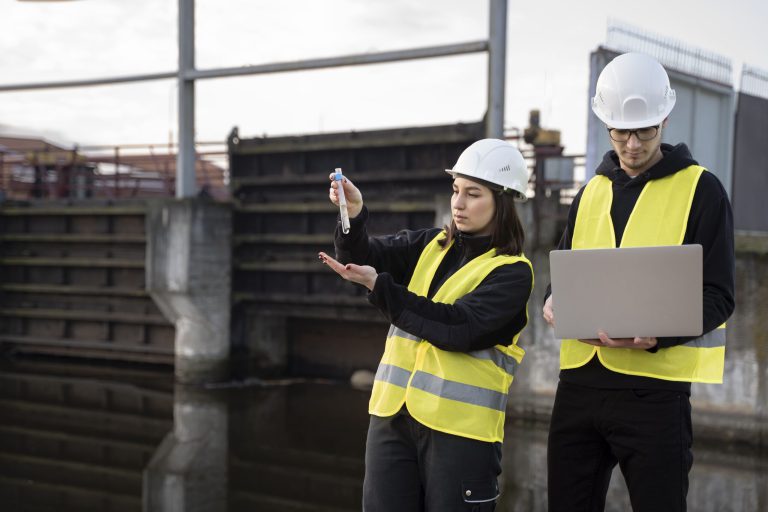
{"x": 633, "y": 92}
{"x": 497, "y": 162}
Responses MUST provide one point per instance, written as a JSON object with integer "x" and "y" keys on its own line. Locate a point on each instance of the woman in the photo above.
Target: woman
{"x": 456, "y": 300}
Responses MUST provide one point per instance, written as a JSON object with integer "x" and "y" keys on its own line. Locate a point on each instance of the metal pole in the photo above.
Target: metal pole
{"x": 185, "y": 158}
{"x": 117, "y": 172}
{"x": 497, "y": 56}
{"x": 360, "y": 59}
{"x": 90, "y": 82}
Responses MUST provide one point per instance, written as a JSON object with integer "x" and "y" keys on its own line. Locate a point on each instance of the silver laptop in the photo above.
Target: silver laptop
{"x": 627, "y": 292}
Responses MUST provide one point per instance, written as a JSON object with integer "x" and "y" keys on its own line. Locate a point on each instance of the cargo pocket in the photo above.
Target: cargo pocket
{"x": 480, "y": 495}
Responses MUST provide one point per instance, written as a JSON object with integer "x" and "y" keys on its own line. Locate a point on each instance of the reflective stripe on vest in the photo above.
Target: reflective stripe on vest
{"x": 459, "y": 393}
{"x": 659, "y": 217}
{"x": 500, "y": 358}
{"x": 396, "y": 331}
{"x": 711, "y": 339}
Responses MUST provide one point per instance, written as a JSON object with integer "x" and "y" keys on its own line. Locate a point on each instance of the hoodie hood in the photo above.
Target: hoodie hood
{"x": 675, "y": 158}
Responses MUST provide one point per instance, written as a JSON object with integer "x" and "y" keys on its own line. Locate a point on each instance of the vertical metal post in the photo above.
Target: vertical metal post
{"x": 185, "y": 158}
{"x": 5, "y": 180}
{"x": 117, "y": 172}
{"x": 497, "y": 56}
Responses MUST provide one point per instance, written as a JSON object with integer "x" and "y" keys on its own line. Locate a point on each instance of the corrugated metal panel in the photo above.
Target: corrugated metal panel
{"x": 750, "y": 164}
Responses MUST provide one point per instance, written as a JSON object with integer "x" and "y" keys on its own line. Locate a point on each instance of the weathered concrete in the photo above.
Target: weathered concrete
{"x": 738, "y": 408}
{"x": 188, "y": 472}
{"x": 188, "y": 275}
{"x": 533, "y": 390}
{"x": 721, "y": 479}
{"x": 266, "y": 344}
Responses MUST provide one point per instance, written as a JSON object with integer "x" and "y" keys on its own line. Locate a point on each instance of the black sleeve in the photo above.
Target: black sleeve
{"x": 395, "y": 254}
{"x": 711, "y": 224}
{"x": 492, "y": 314}
{"x": 567, "y": 238}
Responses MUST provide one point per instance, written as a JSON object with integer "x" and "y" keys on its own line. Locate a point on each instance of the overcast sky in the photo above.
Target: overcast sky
{"x": 547, "y": 62}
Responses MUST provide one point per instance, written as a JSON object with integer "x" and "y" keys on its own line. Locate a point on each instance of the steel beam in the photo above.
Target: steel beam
{"x": 497, "y": 56}
{"x": 428, "y": 52}
{"x": 61, "y": 84}
{"x": 186, "y": 185}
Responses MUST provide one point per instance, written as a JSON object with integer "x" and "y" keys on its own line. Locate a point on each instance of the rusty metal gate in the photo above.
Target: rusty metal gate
{"x": 72, "y": 282}
{"x": 282, "y": 218}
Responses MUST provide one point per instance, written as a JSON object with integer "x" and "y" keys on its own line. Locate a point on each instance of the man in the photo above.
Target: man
{"x": 626, "y": 401}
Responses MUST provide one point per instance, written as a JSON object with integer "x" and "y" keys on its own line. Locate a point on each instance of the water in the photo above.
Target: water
{"x": 84, "y": 438}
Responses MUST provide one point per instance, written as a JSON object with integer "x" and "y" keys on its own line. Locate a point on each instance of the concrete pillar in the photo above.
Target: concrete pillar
{"x": 531, "y": 394}
{"x": 188, "y": 471}
{"x": 188, "y": 276}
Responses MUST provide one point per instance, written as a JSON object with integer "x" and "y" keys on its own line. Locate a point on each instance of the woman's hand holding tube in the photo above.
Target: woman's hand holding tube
{"x": 351, "y": 192}
{"x": 360, "y": 274}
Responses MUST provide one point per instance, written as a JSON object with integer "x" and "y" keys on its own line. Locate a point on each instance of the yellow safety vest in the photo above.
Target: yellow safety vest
{"x": 659, "y": 217}
{"x": 460, "y": 393}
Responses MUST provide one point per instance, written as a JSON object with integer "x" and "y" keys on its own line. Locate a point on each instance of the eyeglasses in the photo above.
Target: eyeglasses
{"x": 642, "y": 134}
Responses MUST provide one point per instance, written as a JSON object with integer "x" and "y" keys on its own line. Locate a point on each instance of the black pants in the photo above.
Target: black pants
{"x": 412, "y": 468}
{"x": 647, "y": 432}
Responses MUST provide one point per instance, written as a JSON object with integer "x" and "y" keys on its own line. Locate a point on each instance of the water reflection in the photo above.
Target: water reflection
{"x": 188, "y": 472}
{"x": 77, "y": 438}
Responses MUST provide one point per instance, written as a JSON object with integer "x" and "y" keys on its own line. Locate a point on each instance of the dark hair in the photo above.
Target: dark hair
{"x": 507, "y": 235}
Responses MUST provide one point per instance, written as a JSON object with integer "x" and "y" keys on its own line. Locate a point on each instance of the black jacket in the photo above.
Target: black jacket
{"x": 710, "y": 224}
{"x": 492, "y": 314}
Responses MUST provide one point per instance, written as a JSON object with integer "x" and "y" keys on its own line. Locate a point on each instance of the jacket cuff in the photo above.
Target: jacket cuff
{"x": 385, "y": 298}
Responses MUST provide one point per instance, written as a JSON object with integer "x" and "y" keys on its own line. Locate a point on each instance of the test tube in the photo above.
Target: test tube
{"x": 342, "y": 201}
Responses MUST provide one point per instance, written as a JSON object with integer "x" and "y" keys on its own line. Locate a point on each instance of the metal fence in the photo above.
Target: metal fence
{"x": 754, "y": 81}
{"x": 111, "y": 172}
{"x": 672, "y": 53}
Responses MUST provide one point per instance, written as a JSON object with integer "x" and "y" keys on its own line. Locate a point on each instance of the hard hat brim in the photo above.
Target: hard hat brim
{"x": 519, "y": 196}
{"x": 631, "y": 125}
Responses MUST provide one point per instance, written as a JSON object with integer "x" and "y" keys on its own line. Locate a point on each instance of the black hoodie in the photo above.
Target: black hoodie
{"x": 710, "y": 224}
{"x": 492, "y": 314}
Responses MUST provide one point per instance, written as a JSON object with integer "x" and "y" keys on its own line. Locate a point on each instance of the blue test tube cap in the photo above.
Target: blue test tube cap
{"x": 337, "y": 176}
